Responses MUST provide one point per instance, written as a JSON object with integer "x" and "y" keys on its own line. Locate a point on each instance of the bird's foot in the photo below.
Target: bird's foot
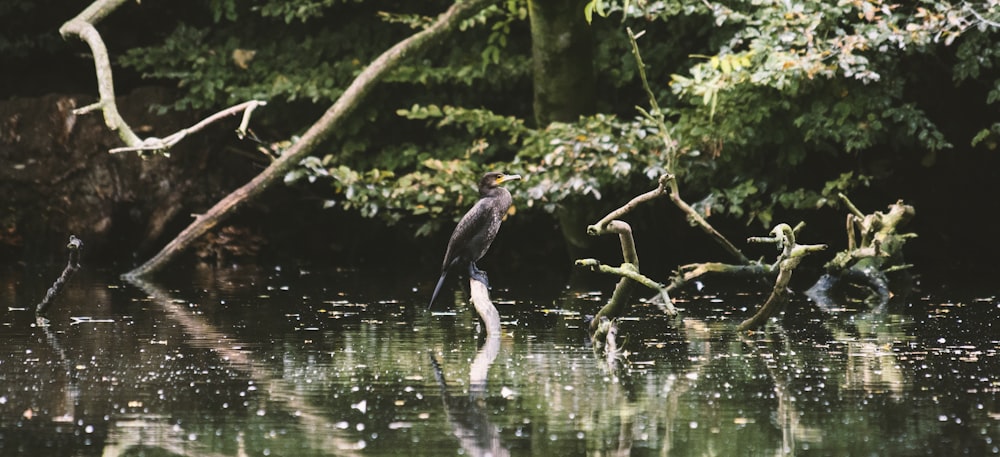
{"x": 480, "y": 275}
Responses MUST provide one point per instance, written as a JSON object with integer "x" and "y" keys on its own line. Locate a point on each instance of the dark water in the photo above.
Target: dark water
{"x": 272, "y": 362}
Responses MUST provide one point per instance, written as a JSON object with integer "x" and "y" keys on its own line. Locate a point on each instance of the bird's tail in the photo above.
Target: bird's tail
{"x": 437, "y": 288}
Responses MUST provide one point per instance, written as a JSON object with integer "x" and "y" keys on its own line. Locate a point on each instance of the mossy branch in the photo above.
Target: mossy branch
{"x": 630, "y": 271}
{"x": 874, "y": 237}
{"x": 620, "y": 300}
{"x": 603, "y": 226}
{"x": 791, "y": 255}
{"x": 690, "y": 272}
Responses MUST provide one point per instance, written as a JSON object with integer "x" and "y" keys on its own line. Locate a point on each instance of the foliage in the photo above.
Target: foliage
{"x": 590, "y": 158}
{"x": 831, "y": 54}
{"x": 770, "y": 103}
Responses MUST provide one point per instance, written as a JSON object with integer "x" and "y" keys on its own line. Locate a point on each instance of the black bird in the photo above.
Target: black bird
{"x": 477, "y": 229}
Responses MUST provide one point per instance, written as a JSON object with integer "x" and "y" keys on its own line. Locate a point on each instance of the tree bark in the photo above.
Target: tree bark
{"x": 562, "y": 50}
{"x": 83, "y": 27}
{"x": 316, "y": 134}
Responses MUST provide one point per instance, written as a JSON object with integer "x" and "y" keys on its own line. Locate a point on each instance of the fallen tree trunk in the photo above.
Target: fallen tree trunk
{"x": 858, "y": 274}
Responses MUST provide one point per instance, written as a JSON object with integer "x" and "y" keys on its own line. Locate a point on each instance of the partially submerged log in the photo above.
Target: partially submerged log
{"x": 874, "y": 250}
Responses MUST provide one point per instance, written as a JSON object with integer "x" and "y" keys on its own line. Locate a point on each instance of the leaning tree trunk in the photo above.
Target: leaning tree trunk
{"x": 316, "y": 134}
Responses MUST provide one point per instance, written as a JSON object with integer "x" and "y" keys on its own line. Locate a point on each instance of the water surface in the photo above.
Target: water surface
{"x": 292, "y": 362}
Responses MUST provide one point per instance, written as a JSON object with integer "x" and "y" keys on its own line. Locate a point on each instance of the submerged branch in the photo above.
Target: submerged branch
{"x": 75, "y": 247}
{"x": 874, "y": 248}
{"x": 690, "y": 272}
{"x": 619, "y": 302}
{"x": 630, "y": 271}
{"x": 791, "y": 255}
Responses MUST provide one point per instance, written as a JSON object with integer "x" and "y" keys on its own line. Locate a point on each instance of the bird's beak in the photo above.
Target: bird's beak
{"x": 504, "y": 178}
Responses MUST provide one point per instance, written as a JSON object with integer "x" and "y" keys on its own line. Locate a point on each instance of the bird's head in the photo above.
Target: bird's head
{"x": 495, "y": 179}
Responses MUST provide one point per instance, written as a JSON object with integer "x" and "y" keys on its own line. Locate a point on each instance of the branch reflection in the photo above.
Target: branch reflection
{"x": 468, "y": 416}
{"x": 201, "y": 333}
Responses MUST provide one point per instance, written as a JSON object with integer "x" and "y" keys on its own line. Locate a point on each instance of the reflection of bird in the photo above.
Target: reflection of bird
{"x": 477, "y": 229}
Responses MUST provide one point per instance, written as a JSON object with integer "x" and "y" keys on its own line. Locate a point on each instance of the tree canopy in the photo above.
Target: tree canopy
{"x": 753, "y": 90}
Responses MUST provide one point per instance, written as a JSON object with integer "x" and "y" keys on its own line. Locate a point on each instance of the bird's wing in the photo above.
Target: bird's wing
{"x": 473, "y": 223}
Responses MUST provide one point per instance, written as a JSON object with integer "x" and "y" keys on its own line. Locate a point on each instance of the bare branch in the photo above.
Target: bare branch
{"x": 157, "y": 144}
{"x": 601, "y": 226}
{"x": 83, "y": 27}
{"x": 628, "y": 270}
{"x": 656, "y": 116}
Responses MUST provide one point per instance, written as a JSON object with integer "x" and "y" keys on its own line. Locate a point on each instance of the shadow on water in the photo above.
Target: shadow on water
{"x": 293, "y": 362}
